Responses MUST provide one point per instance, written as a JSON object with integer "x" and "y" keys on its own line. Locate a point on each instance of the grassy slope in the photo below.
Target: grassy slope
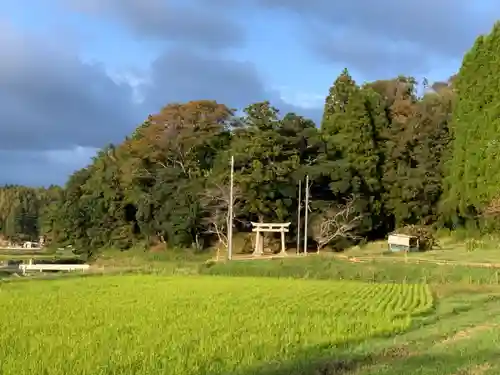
{"x": 485, "y": 250}
{"x": 460, "y": 337}
{"x": 327, "y": 267}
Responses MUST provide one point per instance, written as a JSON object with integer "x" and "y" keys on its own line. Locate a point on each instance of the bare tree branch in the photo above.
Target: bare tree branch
{"x": 216, "y": 200}
{"x": 493, "y": 208}
{"x": 335, "y": 222}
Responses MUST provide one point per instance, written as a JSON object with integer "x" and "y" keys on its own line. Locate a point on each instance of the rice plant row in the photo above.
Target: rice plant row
{"x": 189, "y": 325}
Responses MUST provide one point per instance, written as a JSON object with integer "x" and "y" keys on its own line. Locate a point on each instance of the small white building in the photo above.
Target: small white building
{"x": 403, "y": 242}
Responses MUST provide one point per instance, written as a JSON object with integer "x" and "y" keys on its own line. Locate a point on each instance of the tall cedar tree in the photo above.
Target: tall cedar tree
{"x": 473, "y": 173}
{"x": 351, "y": 125}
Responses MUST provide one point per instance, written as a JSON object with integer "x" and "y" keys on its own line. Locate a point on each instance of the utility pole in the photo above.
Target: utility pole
{"x": 230, "y": 215}
{"x": 298, "y": 217}
{"x": 306, "y": 208}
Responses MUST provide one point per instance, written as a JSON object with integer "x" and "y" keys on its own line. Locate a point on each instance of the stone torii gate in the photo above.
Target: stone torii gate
{"x": 260, "y": 228}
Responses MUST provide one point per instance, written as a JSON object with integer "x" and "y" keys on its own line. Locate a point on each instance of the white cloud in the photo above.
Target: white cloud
{"x": 75, "y": 158}
{"x": 303, "y": 99}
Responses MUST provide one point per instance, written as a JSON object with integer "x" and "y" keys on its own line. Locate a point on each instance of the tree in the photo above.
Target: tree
{"x": 352, "y": 124}
{"x": 20, "y": 209}
{"x": 385, "y": 155}
{"x": 473, "y": 171}
{"x": 269, "y": 155}
{"x": 335, "y": 222}
{"x": 216, "y": 199}
{"x": 167, "y": 162}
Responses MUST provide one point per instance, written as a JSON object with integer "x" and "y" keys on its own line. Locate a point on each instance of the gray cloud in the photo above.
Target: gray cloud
{"x": 194, "y": 23}
{"x": 377, "y": 35}
{"x": 49, "y": 99}
{"x": 181, "y": 75}
{"x": 49, "y": 103}
{"x": 377, "y": 57}
{"x": 41, "y": 168}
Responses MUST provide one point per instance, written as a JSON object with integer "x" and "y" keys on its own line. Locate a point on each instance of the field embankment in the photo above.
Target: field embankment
{"x": 333, "y": 268}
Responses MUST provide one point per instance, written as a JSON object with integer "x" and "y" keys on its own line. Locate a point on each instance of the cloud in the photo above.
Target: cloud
{"x": 388, "y": 35}
{"x": 56, "y": 109}
{"x": 180, "y": 75}
{"x": 305, "y": 100}
{"x": 41, "y": 168}
{"x": 49, "y": 99}
{"x": 51, "y": 102}
{"x": 377, "y": 57}
{"x": 192, "y": 23}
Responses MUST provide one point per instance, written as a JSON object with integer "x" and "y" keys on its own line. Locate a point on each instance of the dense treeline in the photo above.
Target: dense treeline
{"x": 383, "y": 157}
{"x": 22, "y": 210}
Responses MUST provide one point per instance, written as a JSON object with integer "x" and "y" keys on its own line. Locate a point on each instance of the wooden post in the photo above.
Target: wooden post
{"x": 257, "y": 243}
{"x": 261, "y": 243}
{"x": 230, "y": 214}
{"x": 298, "y": 217}
{"x": 306, "y": 212}
{"x": 283, "y": 241}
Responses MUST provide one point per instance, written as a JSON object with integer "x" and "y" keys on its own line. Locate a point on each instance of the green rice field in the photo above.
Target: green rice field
{"x": 147, "y": 324}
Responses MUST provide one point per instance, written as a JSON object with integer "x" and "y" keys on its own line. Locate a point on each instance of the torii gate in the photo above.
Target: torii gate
{"x": 260, "y": 228}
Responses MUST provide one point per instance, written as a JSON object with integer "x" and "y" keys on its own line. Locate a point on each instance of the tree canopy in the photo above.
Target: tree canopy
{"x": 394, "y": 155}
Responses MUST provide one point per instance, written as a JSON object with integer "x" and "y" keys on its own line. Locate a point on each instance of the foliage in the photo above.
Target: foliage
{"x": 22, "y": 209}
{"x": 169, "y": 181}
{"x": 203, "y": 325}
{"x": 399, "y": 157}
{"x": 473, "y": 170}
{"x": 352, "y": 134}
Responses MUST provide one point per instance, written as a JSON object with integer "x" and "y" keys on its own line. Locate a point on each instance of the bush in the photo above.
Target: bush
{"x": 426, "y": 237}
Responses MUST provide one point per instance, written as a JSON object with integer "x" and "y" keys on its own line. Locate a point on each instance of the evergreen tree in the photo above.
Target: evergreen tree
{"x": 352, "y": 123}
{"x": 473, "y": 172}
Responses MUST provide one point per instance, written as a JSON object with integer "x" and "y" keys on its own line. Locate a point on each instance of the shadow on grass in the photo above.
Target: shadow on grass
{"x": 411, "y": 355}
{"x": 393, "y": 361}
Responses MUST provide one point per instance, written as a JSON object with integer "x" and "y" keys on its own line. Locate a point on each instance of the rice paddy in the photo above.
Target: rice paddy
{"x": 146, "y": 324}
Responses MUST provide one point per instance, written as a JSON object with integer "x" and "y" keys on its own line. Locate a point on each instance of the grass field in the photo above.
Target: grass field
{"x": 480, "y": 250}
{"x": 179, "y": 313}
{"x": 332, "y": 268}
{"x": 192, "y": 325}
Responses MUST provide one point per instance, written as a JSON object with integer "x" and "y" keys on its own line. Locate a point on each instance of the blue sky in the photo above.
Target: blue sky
{"x": 82, "y": 73}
